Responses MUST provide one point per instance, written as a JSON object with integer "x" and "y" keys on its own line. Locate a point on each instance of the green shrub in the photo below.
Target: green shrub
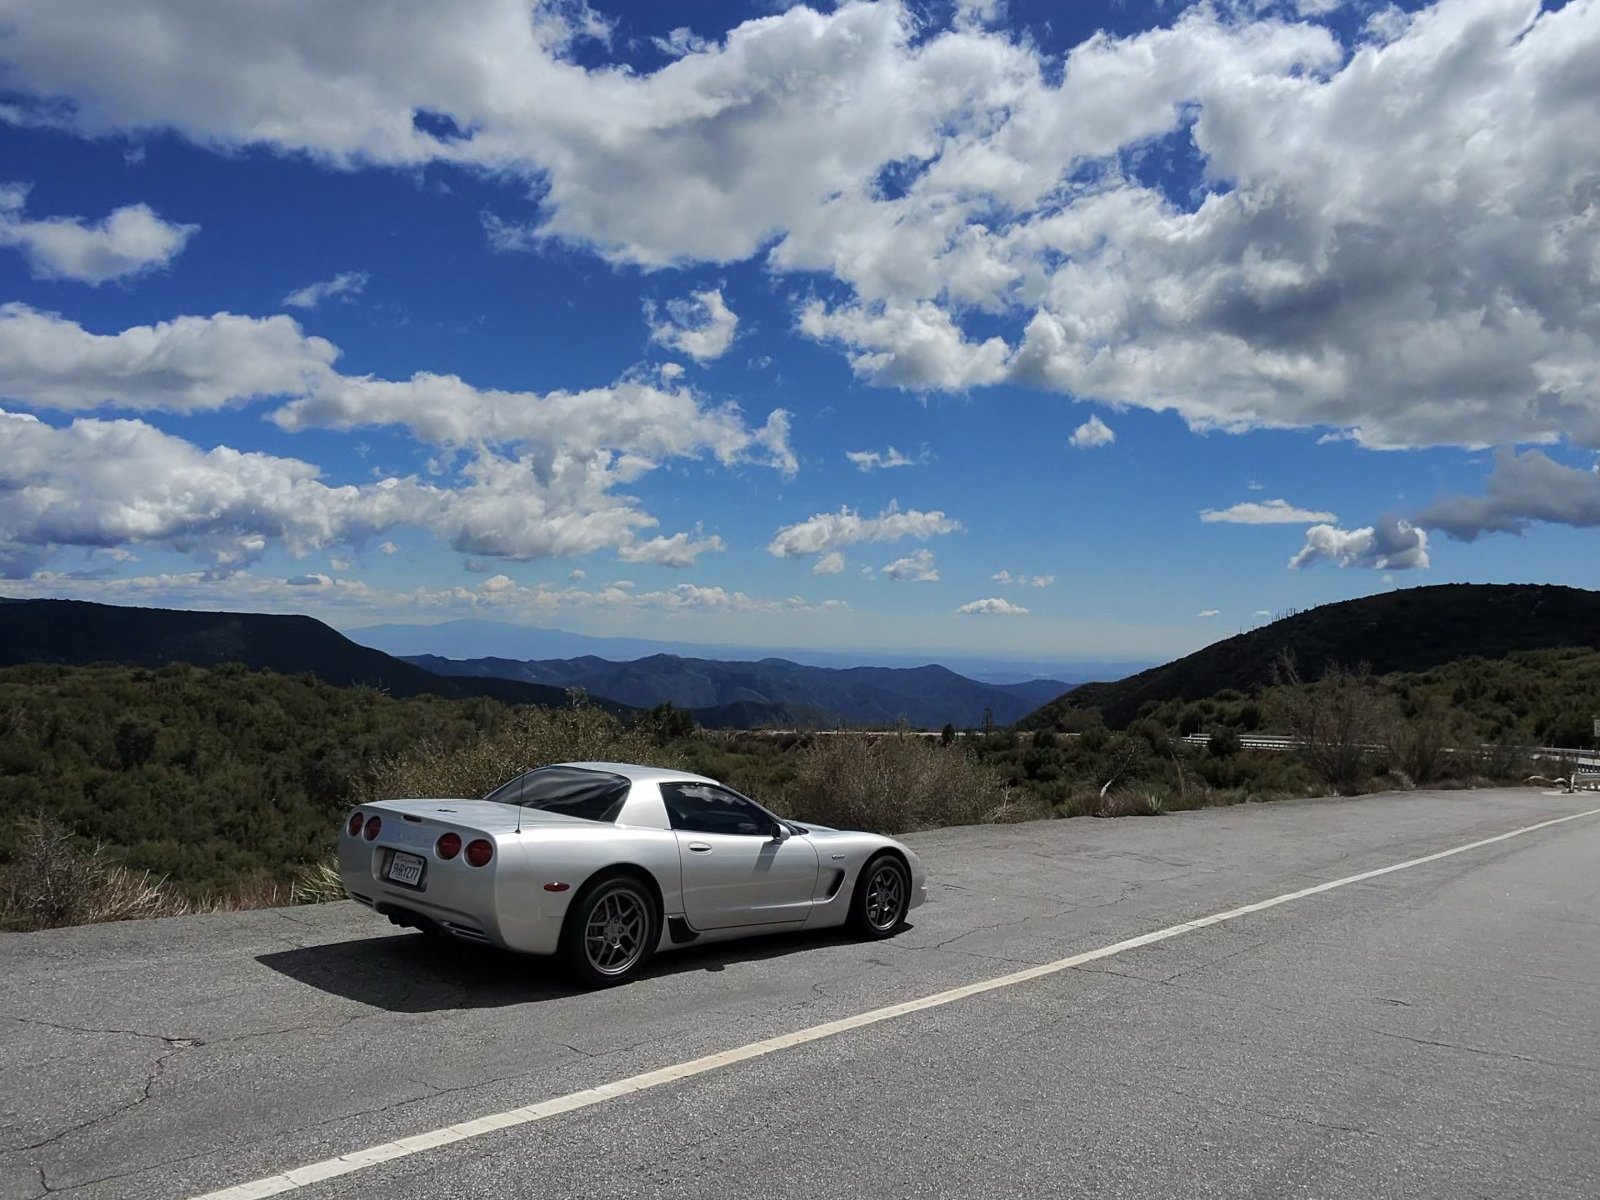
{"x": 1336, "y": 722}
{"x": 1155, "y": 735}
{"x": 1223, "y": 744}
{"x": 1094, "y": 738}
{"x": 895, "y": 785}
{"x": 530, "y": 737}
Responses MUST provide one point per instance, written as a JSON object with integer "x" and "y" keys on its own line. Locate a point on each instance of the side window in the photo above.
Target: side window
{"x": 702, "y": 808}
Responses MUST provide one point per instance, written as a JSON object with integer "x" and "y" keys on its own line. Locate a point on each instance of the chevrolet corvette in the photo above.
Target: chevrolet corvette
{"x": 602, "y": 865}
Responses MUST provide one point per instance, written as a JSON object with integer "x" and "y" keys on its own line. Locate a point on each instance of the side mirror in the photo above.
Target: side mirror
{"x": 780, "y": 832}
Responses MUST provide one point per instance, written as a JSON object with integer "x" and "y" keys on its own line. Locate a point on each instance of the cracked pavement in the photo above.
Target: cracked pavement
{"x": 1432, "y": 1033}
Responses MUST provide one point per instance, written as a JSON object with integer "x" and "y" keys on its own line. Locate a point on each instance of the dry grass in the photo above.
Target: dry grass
{"x": 1122, "y": 802}
{"x": 53, "y": 881}
{"x": 318, "y": 884}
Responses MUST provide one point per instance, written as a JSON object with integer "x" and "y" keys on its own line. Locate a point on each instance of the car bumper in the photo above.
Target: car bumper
{"x": 463, "y": 905}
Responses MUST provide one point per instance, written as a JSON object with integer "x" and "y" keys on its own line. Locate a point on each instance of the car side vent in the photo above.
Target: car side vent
{"x": 833, "y": 888}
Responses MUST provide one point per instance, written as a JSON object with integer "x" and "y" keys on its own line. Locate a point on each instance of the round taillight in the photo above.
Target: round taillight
{"x": 448, "y": 846}
{"x": 374, "y": 823}
{"x": 479, "y": 852}
{"x": 355, "y": 824}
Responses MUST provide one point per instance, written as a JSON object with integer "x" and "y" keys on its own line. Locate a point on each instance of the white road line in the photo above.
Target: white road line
{"x": 288, "y": 1181}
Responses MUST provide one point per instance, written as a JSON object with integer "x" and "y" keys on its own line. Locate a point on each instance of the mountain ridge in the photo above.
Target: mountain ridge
{"x": 1412, "y": 629}
{"x": 82, "y": 632}
{"x": 738, "y": 693}
{"x": 470, "y": 638}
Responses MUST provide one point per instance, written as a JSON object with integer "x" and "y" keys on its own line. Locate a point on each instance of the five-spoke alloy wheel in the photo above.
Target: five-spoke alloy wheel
{"x": 610, "y": 932}
{"x": 882, "y": 898}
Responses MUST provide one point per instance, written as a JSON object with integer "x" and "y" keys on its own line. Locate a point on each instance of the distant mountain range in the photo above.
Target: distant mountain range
{"x": 1413, "y": 629}
{"x": 470, "y": 638}
{"x": 79, "y": 632}
{"x": 773, "y": 691}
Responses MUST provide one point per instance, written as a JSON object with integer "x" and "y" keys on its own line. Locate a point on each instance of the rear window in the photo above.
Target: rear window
{"x": 570, "y": 791}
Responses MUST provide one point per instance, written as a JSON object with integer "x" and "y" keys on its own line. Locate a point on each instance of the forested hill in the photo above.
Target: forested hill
{"x": 78, "y": 632}
{"x": 1408, "y": 630}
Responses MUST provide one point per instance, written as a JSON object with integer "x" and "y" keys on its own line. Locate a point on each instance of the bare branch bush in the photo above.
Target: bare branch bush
{"x": 1425, "y": 742}
{"x": 1338, "y": 723}
{"x": 52, "y": 880}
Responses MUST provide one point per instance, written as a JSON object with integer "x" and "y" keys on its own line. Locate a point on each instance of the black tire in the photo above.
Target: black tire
{"x": 610, "y": 931}
{"x": 882, "y": 898}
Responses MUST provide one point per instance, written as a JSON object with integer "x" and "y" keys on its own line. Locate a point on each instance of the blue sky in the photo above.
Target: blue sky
{"x": 877, "y": 326}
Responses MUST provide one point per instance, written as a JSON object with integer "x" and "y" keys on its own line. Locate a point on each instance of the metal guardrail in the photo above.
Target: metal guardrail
{"x": 1247, "y": 741}
{"x": 1269, "y": 741}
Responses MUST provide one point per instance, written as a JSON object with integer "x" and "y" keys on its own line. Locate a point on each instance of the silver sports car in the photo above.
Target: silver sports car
{"x": 603, "y": 864}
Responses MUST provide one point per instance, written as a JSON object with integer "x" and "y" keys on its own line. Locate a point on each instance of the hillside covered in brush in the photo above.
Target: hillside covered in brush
{"x": 1413, "y": 630}
{"x": 77, "y": 633}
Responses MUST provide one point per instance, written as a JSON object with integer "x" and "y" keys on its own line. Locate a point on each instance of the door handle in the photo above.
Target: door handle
{"x": 700, "y": 847}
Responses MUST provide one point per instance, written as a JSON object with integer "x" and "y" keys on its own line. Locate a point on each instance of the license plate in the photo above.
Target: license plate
{"x": 406, "y": 869}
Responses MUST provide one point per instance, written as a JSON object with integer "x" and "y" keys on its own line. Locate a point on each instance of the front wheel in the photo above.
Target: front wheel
{"x": 610, "y": 931}
{"x": 882, "y": 898}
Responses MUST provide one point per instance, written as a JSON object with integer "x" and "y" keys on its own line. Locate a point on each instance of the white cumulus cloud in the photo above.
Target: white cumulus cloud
{"x": 993, "y": 606}
{"x": 877, "y": 460}
{"x": 130, "y": 241}
{"x": 825, "y": 532}
{"x": 1093, "y": 432}
{"x": 1007, "y": 579}
{"x": 523, "y": 475}
{"x": 114, "y": 483}
{"x": 1393, "y": 544}
{"x": 916, "y": 567}
{"x": 831, "y": 563}
{"x": 702, "y": 326}
{"x": 189, "y": 364}
{"x": 530, "y": 475}
{"x": 344, "y": 286}
{"x": 1387, "y": 229}
{"x": 679, "y": 550}
{"x": 1266, "y": 512}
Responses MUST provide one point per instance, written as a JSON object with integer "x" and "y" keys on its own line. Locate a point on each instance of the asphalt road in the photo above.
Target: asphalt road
{"x": 1432, "y": 1032}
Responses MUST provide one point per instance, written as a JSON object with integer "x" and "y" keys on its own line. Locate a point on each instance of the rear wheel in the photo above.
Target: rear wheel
{"x": 882, "y": 898}
{"x": 610, "y": 931}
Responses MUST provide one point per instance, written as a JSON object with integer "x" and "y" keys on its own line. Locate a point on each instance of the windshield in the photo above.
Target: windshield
{"x": 570, "y": 791}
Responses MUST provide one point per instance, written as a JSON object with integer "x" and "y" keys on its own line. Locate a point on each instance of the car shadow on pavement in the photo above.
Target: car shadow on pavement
{"x": 413, "y": 973}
